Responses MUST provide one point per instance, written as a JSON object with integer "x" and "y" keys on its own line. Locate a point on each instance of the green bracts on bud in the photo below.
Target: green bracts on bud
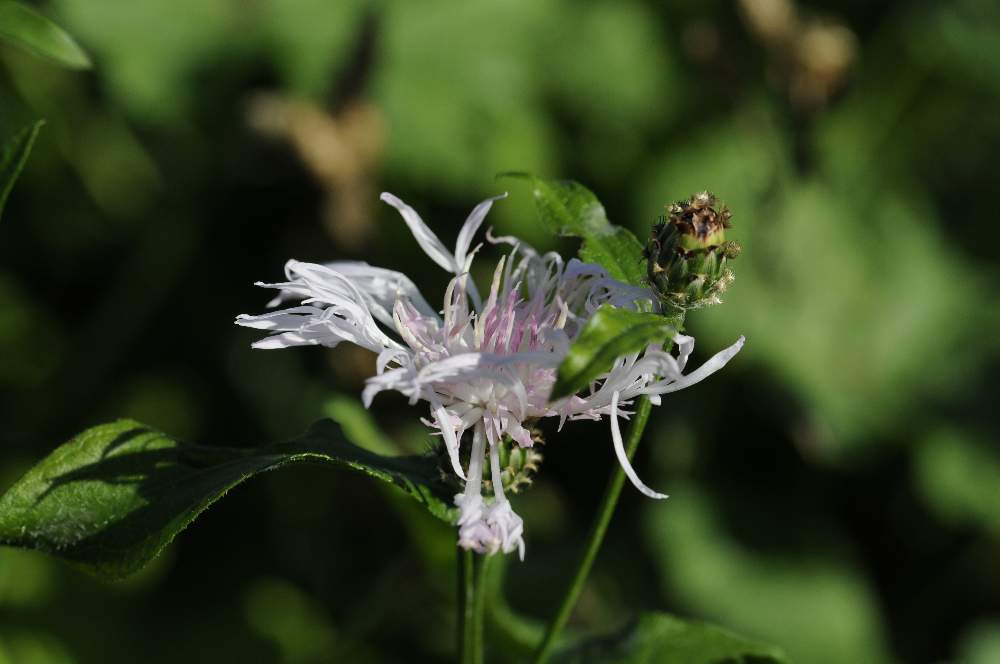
{"x": 518, "y": 464}
{"x": 687, "y": 253}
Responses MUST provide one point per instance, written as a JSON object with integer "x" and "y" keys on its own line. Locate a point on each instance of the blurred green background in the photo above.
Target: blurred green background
{"x": 836, "y": 490}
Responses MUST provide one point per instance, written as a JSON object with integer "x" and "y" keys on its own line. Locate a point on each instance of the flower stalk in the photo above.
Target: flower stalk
{"x": 466, "y": 602}
{"x": 596, "y": 535}
{"x": 473, "y": 575}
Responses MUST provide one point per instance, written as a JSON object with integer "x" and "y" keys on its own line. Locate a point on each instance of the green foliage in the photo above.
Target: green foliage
{"x": 149, "y": 49}
{"x": 13, "y": 155}
{"x": 868, "y": 290}
{"x": 113, "y": 497}
{"x": 309, "y": 40}
{"x": 904, "y": 310}
{"x": 815, "y": 604}
{"x": 959, "y": 477}
{"x": 24, "y": 26}
{"x": 609, "y": 334}
{"x": 300, "y": 628}
{"x": 659, "y": 638}
{"x": 470, "y": 114}
{"x": 358, "y": 425}
{"x": 568, "y": 208}
{"x": 981, "y": 644}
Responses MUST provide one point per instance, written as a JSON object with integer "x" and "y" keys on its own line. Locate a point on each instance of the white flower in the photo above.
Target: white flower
{"x": 485, "y": 366}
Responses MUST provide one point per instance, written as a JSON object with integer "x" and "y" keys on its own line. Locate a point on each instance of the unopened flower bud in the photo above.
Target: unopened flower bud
{"x": 518, "y": 464}
{"x": 687, "y": 253}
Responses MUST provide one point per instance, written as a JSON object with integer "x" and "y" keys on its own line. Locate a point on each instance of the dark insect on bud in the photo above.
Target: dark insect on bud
{"x": 687, "y": 253}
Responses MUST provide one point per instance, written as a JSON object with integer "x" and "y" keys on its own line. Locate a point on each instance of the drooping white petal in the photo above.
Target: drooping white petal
{"x": 495, "y": 473}
{"x": 517, "y": 432}
{"x": 474, "y": 478}
{"x": 425, "y": 237}
{"x": 507, "y": 525}
{"x": 450, "y": 440}
{"x": 474, "y": 531}
{"x": 616, "y": 437}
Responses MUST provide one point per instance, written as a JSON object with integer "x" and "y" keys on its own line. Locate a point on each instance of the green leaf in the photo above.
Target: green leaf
{"x": 568, "y": 208}
{"x": 113, "y": 497}
{"x": 609, "y": 334}
{"x": 659, "y": 638}
{"x": 13, "y": 156}
{"x": 24, "y": 26}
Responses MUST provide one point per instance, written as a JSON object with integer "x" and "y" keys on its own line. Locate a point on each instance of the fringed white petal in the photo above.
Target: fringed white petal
{"x": 712, "y": 365}
{"x": 345, "y": 316}
{"x": 382, "y": 287}
{"x": 506, "y": 527}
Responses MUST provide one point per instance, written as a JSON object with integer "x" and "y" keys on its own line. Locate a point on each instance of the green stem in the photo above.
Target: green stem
{"x": 596, "y": 535}
{"x": 479, "y": 610}
{"x": 466, "y": 595}
{"x": 472, "y": 591}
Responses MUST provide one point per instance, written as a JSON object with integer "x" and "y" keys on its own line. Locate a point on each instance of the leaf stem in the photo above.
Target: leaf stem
{"x": 596, "y": 535}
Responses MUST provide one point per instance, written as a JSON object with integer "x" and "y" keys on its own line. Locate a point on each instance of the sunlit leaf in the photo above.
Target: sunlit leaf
{"x": 659, "y": 638}
{"x": 113, "y": 497}
{"x": 568, "y": 208}
{"x": 609, "y": 334}
{"x": 24, "y": 26}
{"x": 358, "y": 424}
{"x": 13, "y": 156}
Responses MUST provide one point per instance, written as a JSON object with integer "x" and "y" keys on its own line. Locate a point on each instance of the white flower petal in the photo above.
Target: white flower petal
{"x": 496, "y": 475}
{"x": 469, "y": 228}
{"x": 616, "y": 437}
{"x": 450, "y": 440}
{"x": 346, "y": 316}
{"x": 474, "y": 478}
{"x": 289, "y": 339}
{"x": 381, "y": 288}
{"x": 685, "y": 345}
{"x": 712, "y": 365}
{"x": 401, "y": 380}
{"x": 298, "y": 326}
{"x": 425, "y": 237}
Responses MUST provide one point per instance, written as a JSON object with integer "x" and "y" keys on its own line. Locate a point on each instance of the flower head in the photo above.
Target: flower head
{"x": 485, "y": 364}
{"x": 687, "y": 253}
